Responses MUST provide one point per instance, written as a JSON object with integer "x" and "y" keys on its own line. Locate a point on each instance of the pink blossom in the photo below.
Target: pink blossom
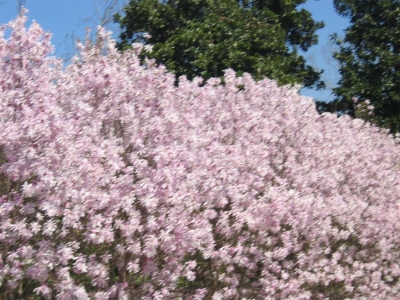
{"x": 133, "y": 267}
{"x": 43, "y": 290}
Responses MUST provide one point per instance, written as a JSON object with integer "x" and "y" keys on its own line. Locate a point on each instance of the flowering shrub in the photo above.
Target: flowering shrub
{"x": 119, "y": 185}
{"x": 364, "y": 109}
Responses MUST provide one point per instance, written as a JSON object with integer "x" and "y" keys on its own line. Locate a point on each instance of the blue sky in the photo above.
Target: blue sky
{"x": 68, "y": 20}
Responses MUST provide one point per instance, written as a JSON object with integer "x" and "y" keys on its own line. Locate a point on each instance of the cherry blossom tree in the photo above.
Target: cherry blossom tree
{"x": 117, "y": 184}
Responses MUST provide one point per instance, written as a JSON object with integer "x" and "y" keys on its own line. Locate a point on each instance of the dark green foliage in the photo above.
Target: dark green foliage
{"x": 369, "y": 58}
{"x": 335, "y": 106}
{"x": 205, "y": 37}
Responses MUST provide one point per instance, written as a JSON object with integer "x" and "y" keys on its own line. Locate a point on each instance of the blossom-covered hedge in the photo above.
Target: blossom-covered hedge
{"x": 117, "y": 184}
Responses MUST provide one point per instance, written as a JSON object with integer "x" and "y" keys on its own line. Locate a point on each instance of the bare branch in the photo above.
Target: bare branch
{"x": 103, "y": 15}
{"x": 20, "y": 5}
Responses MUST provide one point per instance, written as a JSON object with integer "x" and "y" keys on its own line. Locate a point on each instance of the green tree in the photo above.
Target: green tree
{"x": 369, "y": 57}
{"x": 205, "y": 37}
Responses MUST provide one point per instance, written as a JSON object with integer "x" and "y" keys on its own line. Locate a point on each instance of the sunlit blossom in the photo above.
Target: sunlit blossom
{"x": 126, "y": 186}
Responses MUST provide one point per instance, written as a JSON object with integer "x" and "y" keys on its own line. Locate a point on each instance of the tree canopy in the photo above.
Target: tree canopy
{"x": 369, "y": 57}
{"x": 205, "y": 37}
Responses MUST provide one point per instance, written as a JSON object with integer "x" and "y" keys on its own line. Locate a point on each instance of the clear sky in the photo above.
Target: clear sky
{"x": 67, "y": 20}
